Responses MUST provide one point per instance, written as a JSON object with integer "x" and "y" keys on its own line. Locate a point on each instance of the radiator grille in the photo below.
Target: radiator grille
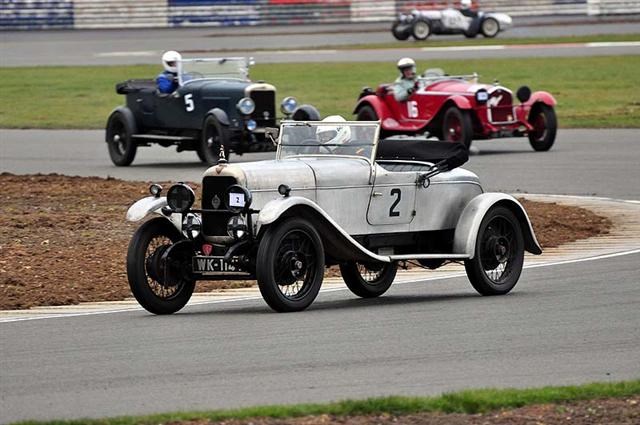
{"x": 265, "y": 113}
{"x": 501, "y": 104}
{"x": 215, "y": 224}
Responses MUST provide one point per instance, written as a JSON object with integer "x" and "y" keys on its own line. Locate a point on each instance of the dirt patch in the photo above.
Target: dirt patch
{"x": 63, "y": 240}
{"x": 603, "y": 411}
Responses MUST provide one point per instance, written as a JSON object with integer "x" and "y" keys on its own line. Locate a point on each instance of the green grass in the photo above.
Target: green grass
{"x": 470, "y": 402}
{"x": 592, "y": 92}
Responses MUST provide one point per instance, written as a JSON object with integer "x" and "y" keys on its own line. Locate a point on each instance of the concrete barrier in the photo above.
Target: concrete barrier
{"x": 80, "y": 14}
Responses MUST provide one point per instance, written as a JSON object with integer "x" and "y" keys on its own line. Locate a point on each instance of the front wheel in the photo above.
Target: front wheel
{"x": 161, "y": 284}
{"x": 421, "y": 30}
{"x": 368, "y": 280}
{"x": 122, "y": 148}
{"x": 213, "y": 136}
{"x": 490, "y": 27}
{"x": 290, "y": 265}
{"x": 545, "y": 125}
{"x": 367, "y": 113}
{"x": 499, "y": 253}
{"x": 457, "y": 126}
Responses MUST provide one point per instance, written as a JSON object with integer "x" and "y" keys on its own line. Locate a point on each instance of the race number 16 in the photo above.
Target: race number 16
{"x": 412, "y": 109}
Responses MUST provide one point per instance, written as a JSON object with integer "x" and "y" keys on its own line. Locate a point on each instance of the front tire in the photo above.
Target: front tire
{"x": 421, "y": 30}
{"x": 159, "y": 290}
{"x": 213, "y": 135}
{"x": 399, "y": 34}
{"x": 499, "y": 253}
{"x": 545, "y": 126}
{"x": 290, "y": 265}
{"x": 457, "y": 126}
{"x": 490, "y": 27}
{"x": 368, "y": 280}
{"x": 122, "y": 148}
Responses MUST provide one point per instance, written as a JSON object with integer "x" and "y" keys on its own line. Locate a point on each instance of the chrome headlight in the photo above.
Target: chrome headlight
{"x": 482, "y": 96}
{"x": 238, "y": 198}
{"x": 288, "y": 105}
{"x": 191, "y": 225}
{"x": 251, "y": 125}
{"x": 180, "y": 197}
{"x": 246, "y": 106}
{"x": 237, "y": 227}
{"x": 155, "y": 190}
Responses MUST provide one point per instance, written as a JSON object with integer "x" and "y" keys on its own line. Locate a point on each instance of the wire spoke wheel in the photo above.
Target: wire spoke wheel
{"x": 368, "y": 280}
{"x": 499, "y": 253}
{"x": 158, "y": 280}
{"x": 295, "y": 265}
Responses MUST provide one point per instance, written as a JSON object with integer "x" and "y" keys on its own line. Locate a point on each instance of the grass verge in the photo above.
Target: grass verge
{"x": 592, "y": 92}
{"x": 468, "y": 401}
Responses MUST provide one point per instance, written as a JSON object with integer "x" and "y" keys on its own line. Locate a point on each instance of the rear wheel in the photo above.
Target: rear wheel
{"x": 368, "y": 280}
{"x": 399, "y": 31}
{"x": 499, "y": 253}
{"x": 545, "y": 125}
{"x": 122, "y": 148}
{"x": 421, "y": 30}
{"x": 290, "y": 265}
{"x": 213, "y": 136}
{"x": 457, "y": 126}
{"x": 490, "y": 27}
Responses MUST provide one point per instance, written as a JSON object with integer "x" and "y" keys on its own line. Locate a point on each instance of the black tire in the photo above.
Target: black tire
{"x": 213, "y": 135}
{"x": 499, "y": 253}
{"x": 290, "y": 265}
{"x": 398, "y": 29}
{"x": 470, "y": 34}
{"x": 457, "y": 126}
{"x": 122, "y": 148}
{"x": 490, "y": 27}
{"x": 366, "y": 113}
{"x": 146, "y": 246}
{"x": 421, "y": 29}
{"x": 368, "y": 280}
{"x": 545, "y": 126}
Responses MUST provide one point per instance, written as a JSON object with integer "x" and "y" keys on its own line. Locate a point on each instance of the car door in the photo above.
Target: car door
{"x": 392, "y": 199}
{"x": 179, "y": 109}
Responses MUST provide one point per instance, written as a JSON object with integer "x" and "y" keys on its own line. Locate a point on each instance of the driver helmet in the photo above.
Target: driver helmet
{"x": 333, "y": 134}
{"x": 170, "y": 61}
{"x": 406, "y": 63}
{"x": 465, "y": 4}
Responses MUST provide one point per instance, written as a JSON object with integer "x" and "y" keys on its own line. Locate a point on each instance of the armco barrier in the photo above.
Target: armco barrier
{"x": 79, "y": 14}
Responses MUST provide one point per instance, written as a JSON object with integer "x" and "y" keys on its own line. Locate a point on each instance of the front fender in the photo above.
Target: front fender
{"x": 543, "y": 97}
{"x": 460, "y": 101}
{"x": 337, "y": 242}
{"x": 220, "y": 115}
{"x": 152, "y": 205}
{"x": 469, "y": 223}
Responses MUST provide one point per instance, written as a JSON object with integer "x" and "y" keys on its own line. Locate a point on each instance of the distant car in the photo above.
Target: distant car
{"x": 459, "y": 109}
{"x": 215, "y": 105}
{"x": 421, "y": 24}
{"x": 334, "y": 195}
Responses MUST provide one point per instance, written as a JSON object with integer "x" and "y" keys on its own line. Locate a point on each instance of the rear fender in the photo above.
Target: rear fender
{"x": 152, "y": 205}
{"x": 336, "y": 241}
{"x": 378, "y": 105}
{"x": 469, "y": 222}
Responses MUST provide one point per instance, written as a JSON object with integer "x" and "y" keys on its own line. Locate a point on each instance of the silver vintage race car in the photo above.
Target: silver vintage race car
{"x": 334, "y": 195}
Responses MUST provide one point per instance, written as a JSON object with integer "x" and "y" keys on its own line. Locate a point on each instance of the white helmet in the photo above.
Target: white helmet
{"x": 466, "y": 4}
{"x": 170, "y": 60}
{"x": 333, "y": 134}
{"x": 405, "y": 63}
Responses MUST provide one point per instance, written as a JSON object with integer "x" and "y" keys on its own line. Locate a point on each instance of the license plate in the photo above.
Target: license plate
{"x": 204, "y": 265}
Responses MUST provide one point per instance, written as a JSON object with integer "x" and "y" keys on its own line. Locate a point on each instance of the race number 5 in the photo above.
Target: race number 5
{"x": 188, "y": 102}
{"x": 412, "y": 109}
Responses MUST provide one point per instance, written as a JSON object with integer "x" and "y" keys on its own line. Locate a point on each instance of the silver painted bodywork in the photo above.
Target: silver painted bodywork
{"x": 454, "y": 19}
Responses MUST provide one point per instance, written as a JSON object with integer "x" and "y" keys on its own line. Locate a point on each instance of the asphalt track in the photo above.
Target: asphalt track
{"x": 582, "y": 162}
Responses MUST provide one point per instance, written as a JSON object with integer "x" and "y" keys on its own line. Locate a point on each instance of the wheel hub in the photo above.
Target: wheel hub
{"x": 496, "y": 251}
{"x": 154, "y": 265}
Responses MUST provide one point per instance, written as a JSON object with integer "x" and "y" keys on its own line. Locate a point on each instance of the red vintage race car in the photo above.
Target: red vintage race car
{"x": 458, "y": 109}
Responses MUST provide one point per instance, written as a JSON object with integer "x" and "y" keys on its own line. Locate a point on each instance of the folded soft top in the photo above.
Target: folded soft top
{"x": 414, "y": 149}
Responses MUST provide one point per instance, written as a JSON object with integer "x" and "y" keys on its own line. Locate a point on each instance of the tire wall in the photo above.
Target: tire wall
{"x": 87, "y": 14}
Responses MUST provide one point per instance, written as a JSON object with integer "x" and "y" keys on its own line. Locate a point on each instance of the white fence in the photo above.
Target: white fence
{"x": 38, "y": 14}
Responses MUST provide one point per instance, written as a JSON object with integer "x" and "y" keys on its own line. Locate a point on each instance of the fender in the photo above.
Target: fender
{"x": 543, "y": 97}
{"x": 469, "y": 222}
{"x": 220, "y": 115}
{"x": 335, "y": 239}
{"x": 460, "y": 101}
{"x": 152, "y": 205}
{"x": 306, "y": 113}
{"x": 381, "y": 109}
{"x": 129, "y": 118}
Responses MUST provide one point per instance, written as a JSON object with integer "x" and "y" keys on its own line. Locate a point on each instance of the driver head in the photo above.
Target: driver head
{"x": 170, "y": 60}
{"x": 465, "y": 4}
{"x": 333, "y": 134}
{"x": 407, "y": 67}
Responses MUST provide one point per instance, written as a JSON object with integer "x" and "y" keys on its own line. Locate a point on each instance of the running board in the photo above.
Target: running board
{"x": 162, "y": 137}
{"x": 429, "y": 257}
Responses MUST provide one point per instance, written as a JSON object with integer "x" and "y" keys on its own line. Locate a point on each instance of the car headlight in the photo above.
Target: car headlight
{"x": 180, "y": 198}
{"x": 482, "y": 96}
{"x": 246, "y": 106}
{"x": 251, "y": 125}
{"x": 237, "y": 227}
{"x": 191, "y": 225}
{"x": 288, "y": 105}
{"x": 238, "y": 198}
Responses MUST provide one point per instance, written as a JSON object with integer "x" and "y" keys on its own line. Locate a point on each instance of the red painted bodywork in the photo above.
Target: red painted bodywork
{"x": 505, "y": 117}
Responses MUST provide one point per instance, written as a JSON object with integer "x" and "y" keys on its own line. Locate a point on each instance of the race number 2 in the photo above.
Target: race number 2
{"x": 412, "y": 109}
{"x": 188, "y": 102}
{"x": 392, "y": 211}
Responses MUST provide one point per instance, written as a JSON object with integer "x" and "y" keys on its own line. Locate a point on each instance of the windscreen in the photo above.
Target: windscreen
{"x": 197, "y": 69}
{"x": 328, "y": 138}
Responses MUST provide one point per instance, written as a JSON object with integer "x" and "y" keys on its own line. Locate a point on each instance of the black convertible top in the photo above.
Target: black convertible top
{"x": 413, "y": 149}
